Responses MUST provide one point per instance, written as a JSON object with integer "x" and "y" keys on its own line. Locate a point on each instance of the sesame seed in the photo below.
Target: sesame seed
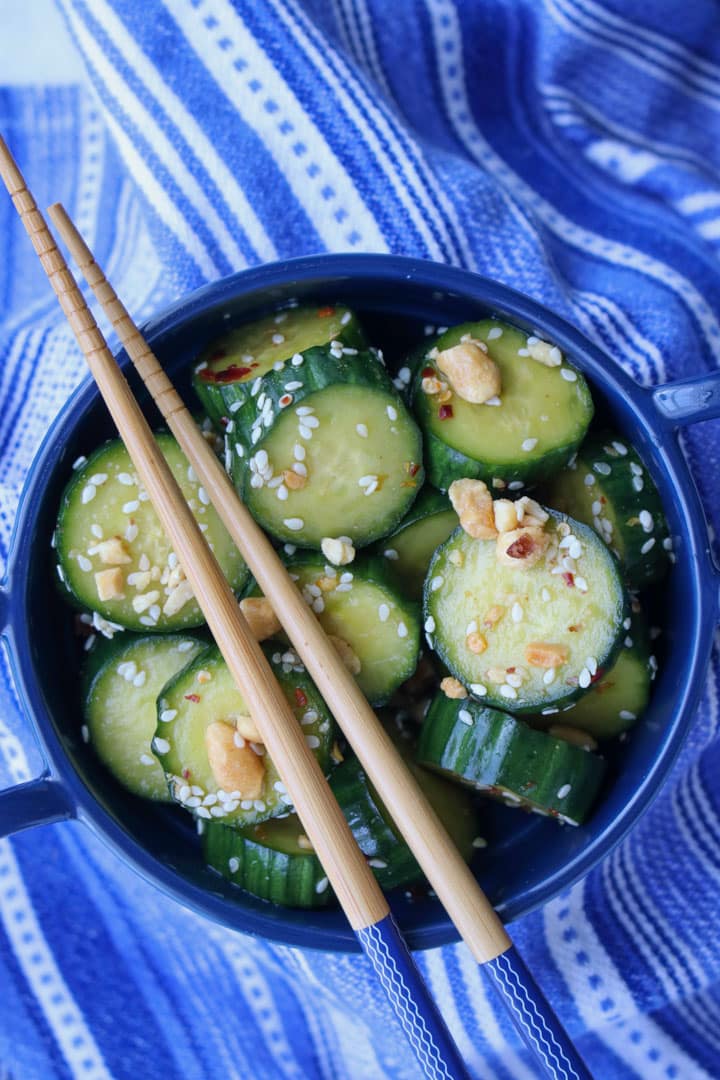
{"x": 465, "y": 717}
{"x": 167, "y": 715}
{"x": 282, "y": 492}
{"x": 584, "y": 678}
{"x": 277, "y": 339}
{"x": 312, "y": 741}
{"x": 392, "y": 412}
{"x": 304, "y": 410}
{"x": 362, "y": 430}
{"x": 233, "y": 864}
{"x": 304, "y": 432}
{"x": 523, "y": 352}
{"x": 646, "y": 520}
{"x": 429, "y": 624}
{"x": 591, "y": 665}
{"x": 79, "y": 462}
{"x": 628, "y": 642}
{"x": 378, "y": 864}
{"x": 255, "y": 388}
{"x": 620, "y": 448}
{"x": 311, "y": 422}
{"x": 602, "y": 468}
{"x": 589, "y": 480}
{"x": 564, "y": 791}
{"x": 494, "y": 400}
{"x": 84, "y": 563}
{"x": 638, "y": 483}
{"x": 391, "y": 553}
{"x": 625, "y": 714}
{"x": 549, "y": 676}
{"x": 346, "y": 318}
{"x": 516, "y": 612}
{"x": 140, "y": 679}
{"x": 161, "y": 745}
{"x": 321, "y": 885}
{"x": 471, "y": 627}
{"x": 581, "y": 583}
{"x": 402, "y": 630}
{"x": 545, "y": 596}
{"x": 131, "y": 507}
{"x": 478, "y": 689}
{"x": 515, "y": 485}
{"x": 297, "y": 359}
{"x": 568, "y": 374}
{"x": 508, "y": 691}
{"x": 436, "y": 583}
{"x": 494, "y": 333}
{"x": 529, "y": 444}
{"x": 145, "y": 759}
{"x": 88, "y": 494}
{"x": 294, "y": 524}
{"x": 125, "y": 479}
{"x": 203, "y": 496}
{"x": 384, "y": 612}
{"x": 514, "y": 680}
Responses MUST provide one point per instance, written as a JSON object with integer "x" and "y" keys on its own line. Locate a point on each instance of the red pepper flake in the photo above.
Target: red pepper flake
{"x": 186, "y": 774}
{"x": 569, "y": 579}
{"x": 300, "y": 697}
{"x": 445, "y": 412}
{"x": 521, "y": 548}
{"x": 228, "y": 374}
{"x": 412, "y": 468}
{"x": 510, "y": 670}
{"x": 224, "y": 421}
{"x": 428, "y": 372}
{"x": 325, "y": 312}
{"x": 192, "y": 697}
{"x": 597, "y": 676}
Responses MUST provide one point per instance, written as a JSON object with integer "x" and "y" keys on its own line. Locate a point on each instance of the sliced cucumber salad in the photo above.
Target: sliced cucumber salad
{"x": 535, "y": 648}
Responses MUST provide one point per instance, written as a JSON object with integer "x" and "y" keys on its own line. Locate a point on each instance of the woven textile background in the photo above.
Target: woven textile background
{"x": 570, "y": 148}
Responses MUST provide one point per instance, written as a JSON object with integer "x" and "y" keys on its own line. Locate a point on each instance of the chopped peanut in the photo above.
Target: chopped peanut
{"x": 304, "y": 843}
{"x": 473, "y": 504}
{"x": 573, "y": 736}
{"x": 530, "y": 512}
{"x": 178, "y": 598}
{"x": 336, "y": 754}
{"x": 293, "y": 480}
{"x": 140, "y": 579}
{"x": 432, "y": 385}
{"x": 444, "y": 396}
{"x": 476, "y": 643}
{"x": 109, "y": 584}
{"x": 522, "y": 548}
{"x": 453, "y": 689}
{"x": 456, "y": 557}
{"x": 261, "y": 618}
{"x": 473, "y": 375}
{"x": 346, "y": 653}
{"x": 494, "y": 615}
{"x": 245, "y": 726}
{"x": 545, "y": 353}
{"x": 496, "y": 675}
{"x": 113, "y": 552}
{"x": 235, "y": 768}
{"x": 545, "y": 655}
{"x": 143, "y": 601}
{"x": 327, "y": 583}
{"x": 506, "y": 518}
{"x": 339, "y": 552}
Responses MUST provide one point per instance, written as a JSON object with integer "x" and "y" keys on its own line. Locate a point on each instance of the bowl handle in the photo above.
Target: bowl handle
{"x": 687, "y": 401}
{"x": 30, "y": 802}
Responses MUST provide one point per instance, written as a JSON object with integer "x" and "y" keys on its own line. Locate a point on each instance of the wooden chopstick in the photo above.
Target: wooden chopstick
{"x": 442, "y": 864}
{"x": 347, "y": 870}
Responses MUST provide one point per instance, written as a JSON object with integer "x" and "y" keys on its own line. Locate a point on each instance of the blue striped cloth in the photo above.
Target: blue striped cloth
{"x": 567, "y": 147}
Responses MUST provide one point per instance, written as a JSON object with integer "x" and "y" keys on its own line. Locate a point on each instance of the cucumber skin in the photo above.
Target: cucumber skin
{"x": 372, "y": 568}
{"x": 319, "y": 371}
{"x": 500, "y": 751}
{"x": 573, "y": 693}
{"x": 270, "y": 875}
{"x": 444, "y": 464}
{"x": 639, "y": 570}
{"x": 215, "y": 402}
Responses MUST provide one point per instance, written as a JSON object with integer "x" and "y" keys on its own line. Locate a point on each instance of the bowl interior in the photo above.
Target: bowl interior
{"x": 528, "y": 859}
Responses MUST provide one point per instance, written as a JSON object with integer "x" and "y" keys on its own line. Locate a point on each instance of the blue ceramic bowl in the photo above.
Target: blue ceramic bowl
{"x": 528, "y": 859}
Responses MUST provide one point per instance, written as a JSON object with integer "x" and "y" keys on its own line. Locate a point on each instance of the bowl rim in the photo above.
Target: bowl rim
{"x": 383, "y": 270}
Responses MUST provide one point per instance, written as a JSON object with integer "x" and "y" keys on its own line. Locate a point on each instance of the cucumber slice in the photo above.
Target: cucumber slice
{"x": 254, "y": 349}
{"x": 203, "y": 694}
{"x": 271, "y": 860}
{"x": 618, "y": 699}
{"x": 409, "y": 549}
{"x": 360, "y": 604}
{"x": 379, "y": 839}
{"x": 325, "y": 448}
{"x": 502, "y": 757}
{"x": 609, "y": 488}
{"x": 107, "y": 526}
{"x": 577, "y": 604}
{"x": 122, "y": 680}
{"x": 542, "y": 418}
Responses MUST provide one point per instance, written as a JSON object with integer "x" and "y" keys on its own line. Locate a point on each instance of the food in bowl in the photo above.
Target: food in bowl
{"x": 525, "y": 609}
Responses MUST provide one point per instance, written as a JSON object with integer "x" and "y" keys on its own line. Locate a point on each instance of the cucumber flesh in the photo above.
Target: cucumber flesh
{"x": 609, "y": 488}
{"x": 507, "y": 760}
{"x": 409, "y": 549}
{"x": 107, "y": 526}
{"x": 543, "y": 415}
{"x": 205, "y": 693}
{"x": 272, "y": 860}
{"x": 360, "y": 604}
{"x": 122, "y": 680}
{"x": 578, "y": 605}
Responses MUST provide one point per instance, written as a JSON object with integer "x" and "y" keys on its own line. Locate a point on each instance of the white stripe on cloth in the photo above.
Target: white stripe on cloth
{"x": 194, "y": 140}
{"x": 630, "y": 51}
{"x": 220, "y": 63}
{"x": 135, "y": 113}
{"x": 628, "y": 341}
{"x": 701, "y": 200}
{"x": 601, "y": 980}
{"x": 446, "y": 28}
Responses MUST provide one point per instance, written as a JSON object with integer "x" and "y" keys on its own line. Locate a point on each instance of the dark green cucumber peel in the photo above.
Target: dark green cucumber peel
{"x": 227, "y": 369}
{"x": 609, "y": 488}
{"x": 504, "y": 758}
{"x": 495, "y": 443}
{"x": 103, "y": 503}
{"x": 410, "y": 547}
{"x": 269, "y": 861}
{"x": 453, "y": 600}
{"x": 361, "y": 604}
{"x": 120, "y": 684}
{"x": 367, "y": 434}
{"x": 190, "y": 702}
